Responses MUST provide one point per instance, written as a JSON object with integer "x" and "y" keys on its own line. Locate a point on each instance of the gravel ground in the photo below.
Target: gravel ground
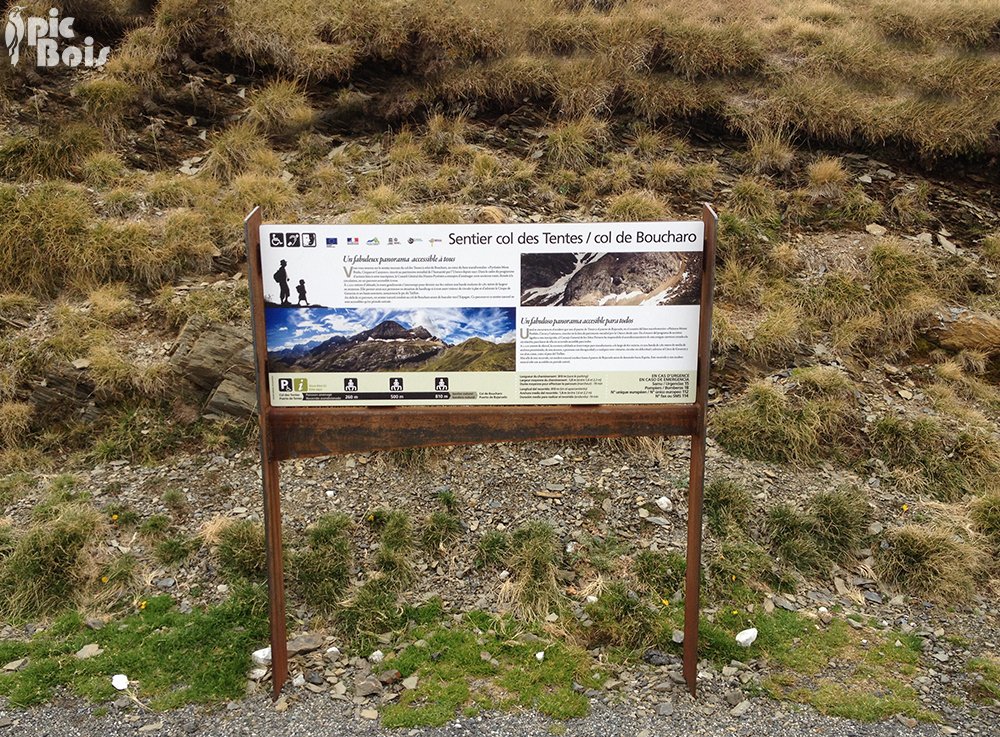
{"x": 584, "y": 489}
{"x": 317, "y": 716}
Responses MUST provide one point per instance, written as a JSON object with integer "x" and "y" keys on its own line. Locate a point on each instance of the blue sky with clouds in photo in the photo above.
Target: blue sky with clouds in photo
{"x": 289, "y": 327}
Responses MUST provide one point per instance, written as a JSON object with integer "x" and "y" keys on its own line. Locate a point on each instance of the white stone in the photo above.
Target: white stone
{"x": 665, "y": 504}
{"x": 262, "y": 656}
{"x": 875, "y": 229}
{"x": 299, "y": 681}
{"x": 740, "y": 709}
{"x": 333, "y": 652}
{"x": 746, "y": 638}
{"x": 591, "y": 599}
{"x": 540, "y": 656}
{"x": 120, "y": 681}
{"x": 377, "y": 657}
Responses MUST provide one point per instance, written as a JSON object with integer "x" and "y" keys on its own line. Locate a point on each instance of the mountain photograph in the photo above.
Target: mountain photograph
{"x": 329, "y": 340}
{"x": 610, "y": 279}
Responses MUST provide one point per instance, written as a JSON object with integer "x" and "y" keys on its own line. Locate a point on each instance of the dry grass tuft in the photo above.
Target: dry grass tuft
{"x": 924, "y": 457}
{"x": 770, "y": 424}
{"x": 573, "y": 144}
{"x": 107, "y": 101}
{"x": 926, "y": 561}
{"x": 532, "y": 592}
{"x": 990, "y": 250}
{"x": 827, "y": 177}
{"x": 770, "y": 153}
{"x": 235, "y": 150}
{"x": 48, "y": 155}
{"x": 280, "y": 108}
{"x": 754, "y": 199}
{"x": 701, "y": 177}
{"x": 112, "y": 305}
{"x": 102, "y": 168}
{"x": 636, "y": 206}
{"x": 50, "y": 563}
{"x": 664, "y": 174}
{"x": 15, "y": 420}
{"x": 985, "y": 513}
{"x": 383, "y": 198}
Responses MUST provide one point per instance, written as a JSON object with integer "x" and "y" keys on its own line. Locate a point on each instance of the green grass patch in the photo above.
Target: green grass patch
{"x": 173, "y": 658}
{"x": 454, "y": 676}
{"x": 660, "y": 574}
{"x": 14, "y": 486}
{"x": 176, "y": 550}
{"x": 988, "y": 688}
{"x": 48, "y": 564}
{"x": 320, "y": 572}
{"x": 727, "y": 504}
{"x": 492, "y": 549}
{"x": 864, "y": 702}
{"x": 241, "y": 551}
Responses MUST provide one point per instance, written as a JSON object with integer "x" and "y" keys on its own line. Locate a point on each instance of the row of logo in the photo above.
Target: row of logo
{"x": 310, "y": 240}
{"x": 351, "y": 384}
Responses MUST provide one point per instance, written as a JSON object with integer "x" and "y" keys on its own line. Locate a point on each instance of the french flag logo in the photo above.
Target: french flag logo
{"x": 353, "y": 242}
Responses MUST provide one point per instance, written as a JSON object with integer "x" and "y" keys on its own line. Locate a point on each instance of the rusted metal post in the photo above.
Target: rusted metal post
{"x": 696, "y": 478}
{"x": 268, "y": 461}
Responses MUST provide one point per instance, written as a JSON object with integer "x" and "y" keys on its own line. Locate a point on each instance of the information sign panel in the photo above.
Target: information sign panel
{"x": 573, "y": 313}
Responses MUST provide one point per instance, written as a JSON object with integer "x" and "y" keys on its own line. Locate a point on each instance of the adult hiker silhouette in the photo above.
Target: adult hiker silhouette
{"x": 281, "y": 276}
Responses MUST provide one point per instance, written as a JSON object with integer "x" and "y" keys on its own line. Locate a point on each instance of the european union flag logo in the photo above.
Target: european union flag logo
{"x": 331, "y": 241}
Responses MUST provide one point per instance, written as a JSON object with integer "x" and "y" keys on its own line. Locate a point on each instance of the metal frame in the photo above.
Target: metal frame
{"x": 294, "y": 432}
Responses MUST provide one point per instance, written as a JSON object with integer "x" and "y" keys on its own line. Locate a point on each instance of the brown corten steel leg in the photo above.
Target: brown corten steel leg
{"x": 269, "y": 462}
{"x": 696, "y": 479}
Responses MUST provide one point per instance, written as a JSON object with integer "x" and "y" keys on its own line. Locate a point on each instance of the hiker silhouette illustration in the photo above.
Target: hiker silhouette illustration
{"x": 301, "y": 289}
{"x": 281, "y": 276}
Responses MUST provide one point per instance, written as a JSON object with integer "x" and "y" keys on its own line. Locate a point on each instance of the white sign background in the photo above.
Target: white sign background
{"x": 442, "y": 276}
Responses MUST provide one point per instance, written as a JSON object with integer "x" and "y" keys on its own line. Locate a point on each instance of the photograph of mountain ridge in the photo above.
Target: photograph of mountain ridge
{"x": 610, "y": 279}
{"x": 370, "y": 340}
